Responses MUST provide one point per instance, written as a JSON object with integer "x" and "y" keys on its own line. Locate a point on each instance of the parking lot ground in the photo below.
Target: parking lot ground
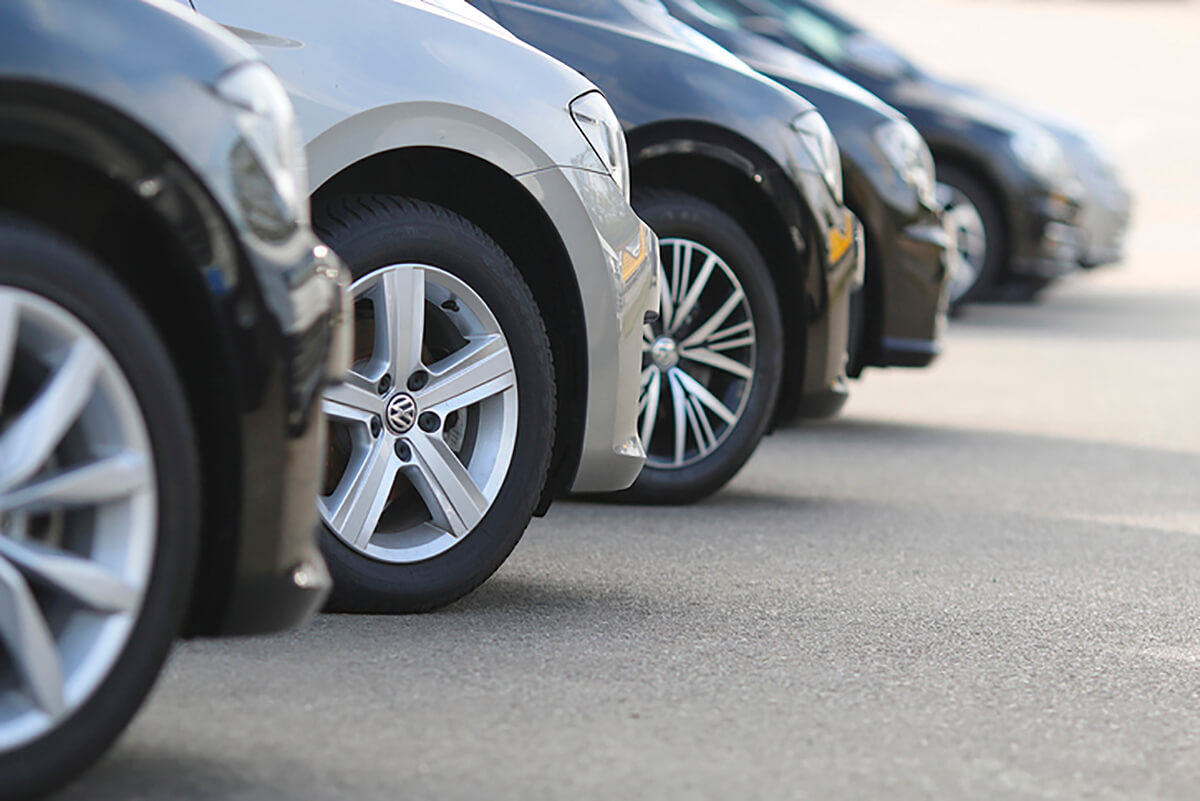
{"x": 982, "y": 581}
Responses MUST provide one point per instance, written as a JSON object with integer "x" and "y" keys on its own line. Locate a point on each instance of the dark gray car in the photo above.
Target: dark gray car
{"x": 900, "y": 313}
{"x": 741, "y": 179}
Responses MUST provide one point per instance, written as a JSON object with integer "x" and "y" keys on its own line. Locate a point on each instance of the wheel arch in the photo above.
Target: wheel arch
{"x": 492, "y": 199}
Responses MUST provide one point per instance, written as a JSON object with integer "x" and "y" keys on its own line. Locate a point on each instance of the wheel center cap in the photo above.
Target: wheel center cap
{"x": 664, "y": 353}
{"x": 401, "y": 412}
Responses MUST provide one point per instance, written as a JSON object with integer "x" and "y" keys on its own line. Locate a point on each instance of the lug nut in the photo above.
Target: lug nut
{"x": 403, "y": 450}
{"x": 376, "y": 426}
{"x": 428, "y": 421}
{"x": 418, "y": 380}
{"x": 385, "y": 385}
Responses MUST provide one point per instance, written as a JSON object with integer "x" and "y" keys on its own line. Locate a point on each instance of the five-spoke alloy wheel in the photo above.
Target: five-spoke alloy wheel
{"x": 426, "y": 425}
{"x": 441, "y": 433}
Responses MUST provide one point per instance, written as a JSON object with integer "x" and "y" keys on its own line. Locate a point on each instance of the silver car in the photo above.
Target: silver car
{"x": 478, "y": 190}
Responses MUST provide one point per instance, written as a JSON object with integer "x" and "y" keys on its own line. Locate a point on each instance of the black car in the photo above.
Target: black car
{"x": 742, "y": 181}
{"x": 900, "y": 313}
{"x": 167, "y": 323}
{"x": 1008, "y": 187}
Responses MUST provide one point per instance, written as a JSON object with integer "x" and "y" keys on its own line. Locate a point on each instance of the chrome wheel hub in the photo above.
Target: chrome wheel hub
{"x": 664, "y": 353}
{"x": 78, "y": 514}
{"x": 401, "y": 413}
{"x": 412, "y": 472}
{"x": 698, "y": 357}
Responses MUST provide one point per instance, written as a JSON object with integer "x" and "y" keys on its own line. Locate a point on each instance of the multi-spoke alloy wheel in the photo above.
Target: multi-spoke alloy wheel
{"x": 97, "y": 524}
{"x": 425, "y": 423}
{"x": 973, "y": 219}
{"x": 698, "y": 363}
{"x": 713, "y": 361}
{"x": 441, "y": 434}
{"x": 77, "y": 513}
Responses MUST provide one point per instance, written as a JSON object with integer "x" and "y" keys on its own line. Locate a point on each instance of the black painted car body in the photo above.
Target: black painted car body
{"x": 146, "y": 232}
{"x": 698, "y": 120}
{"x": 120, "y": 144}
{"x": 909, "y": 254}
{"x": 1009, "y": 155}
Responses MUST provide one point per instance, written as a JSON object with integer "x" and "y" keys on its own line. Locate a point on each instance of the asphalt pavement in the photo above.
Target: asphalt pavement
{"x": 982, "y": 581}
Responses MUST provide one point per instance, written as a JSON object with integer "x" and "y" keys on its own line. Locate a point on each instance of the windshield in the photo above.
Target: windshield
{"x": 836, "y": 40}
{"x": 819, "y": 34}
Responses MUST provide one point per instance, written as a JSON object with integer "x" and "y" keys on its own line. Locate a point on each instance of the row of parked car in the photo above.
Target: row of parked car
{"x": 522, "y": 249}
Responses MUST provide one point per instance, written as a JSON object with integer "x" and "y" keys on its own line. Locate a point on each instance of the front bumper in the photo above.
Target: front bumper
{"x": 842, "y": 258}
{"x": 1105, "y": 224}
{"x": 916, "y": 277}
{"x": 279, "y": 577}
{"x": 1050, "y": 244}
{"x": 616, "y": 261}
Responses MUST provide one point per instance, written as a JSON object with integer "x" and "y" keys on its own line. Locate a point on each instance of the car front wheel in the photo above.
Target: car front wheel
{"x": 973, "y": 218}
{"x": 441, "y": 434}
{"x": 713, "y": 361}
{"x": 99, "y": 502}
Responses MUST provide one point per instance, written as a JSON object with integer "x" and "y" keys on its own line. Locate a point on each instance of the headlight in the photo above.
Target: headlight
{"x": 907, "y": 152}
{"x": 1039, "y": 152}
{"x": 269, "y": 175}
{"x": 819, "y": 142}
{"x": 602, "y": 129}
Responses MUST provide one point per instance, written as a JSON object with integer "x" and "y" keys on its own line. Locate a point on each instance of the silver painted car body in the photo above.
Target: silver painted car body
{"x": 371, "y": 76}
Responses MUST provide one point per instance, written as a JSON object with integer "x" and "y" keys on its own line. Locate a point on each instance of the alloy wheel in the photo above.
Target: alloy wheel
{"x": 966, "y": 224}
{"x": 78, "y": 514}
{"x": 424, "y": 426}
{"x": 698, "y": 358}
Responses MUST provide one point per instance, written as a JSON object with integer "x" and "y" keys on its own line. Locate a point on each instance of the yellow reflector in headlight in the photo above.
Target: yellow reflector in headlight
{"x": 630, "y": 262}
{"x": 840, "y": 239}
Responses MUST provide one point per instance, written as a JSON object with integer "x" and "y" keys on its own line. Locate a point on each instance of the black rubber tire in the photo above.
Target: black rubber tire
{"x": 372, "y": 231}
{"x": 40, "y": 261}
{"x": 995, "y": 259}
{"x": 677, "y": 214}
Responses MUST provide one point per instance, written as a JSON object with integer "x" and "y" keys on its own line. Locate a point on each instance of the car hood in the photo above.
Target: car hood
{"x": 958, "y": 102}
{"x": 786, "y": 65}
{"x": 103, "y": 48}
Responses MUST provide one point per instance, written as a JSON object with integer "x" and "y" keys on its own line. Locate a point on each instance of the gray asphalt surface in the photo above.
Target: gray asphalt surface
{"x": 982, "y": 581}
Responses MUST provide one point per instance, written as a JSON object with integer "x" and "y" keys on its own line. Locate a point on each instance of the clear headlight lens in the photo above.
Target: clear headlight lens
{"x": 907, "y": 152}
{"x": 602, "y": 129}
{"x": 269, "y": 171}
{"x": 819, "y": 142}
{"x": 1039, "y": 152}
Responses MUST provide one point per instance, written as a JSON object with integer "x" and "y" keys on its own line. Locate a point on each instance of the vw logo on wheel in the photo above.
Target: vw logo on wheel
{"x": 401, "y": 412}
